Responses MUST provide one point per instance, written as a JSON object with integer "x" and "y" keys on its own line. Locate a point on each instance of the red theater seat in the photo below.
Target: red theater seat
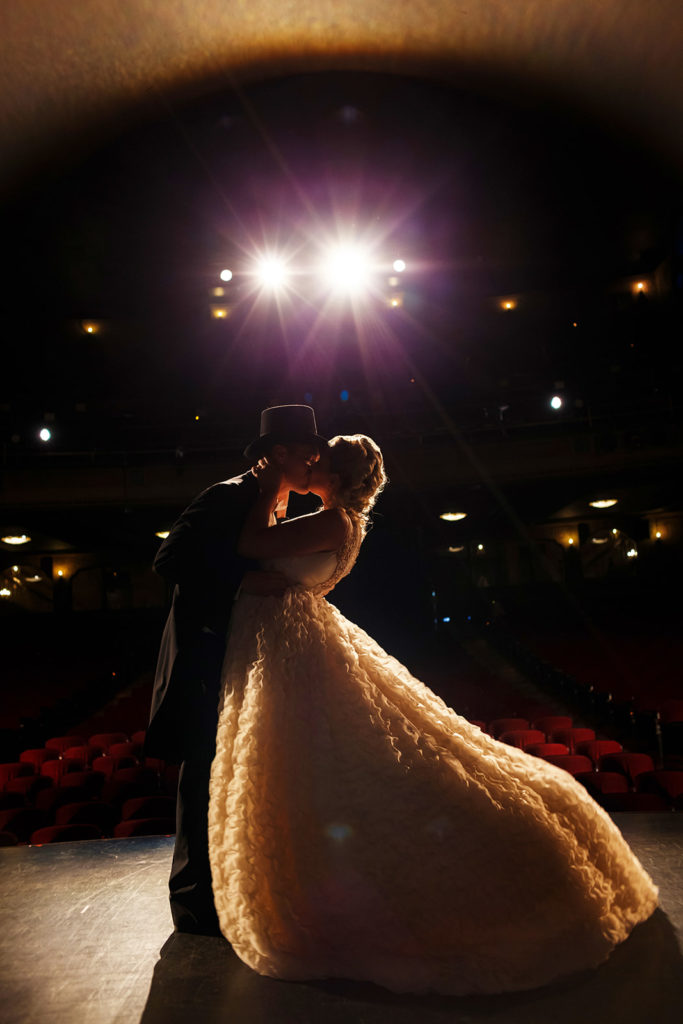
{"x": 37, "y": 756}
{"x": 22, "y": 821}
{"x": 56, "y": 770}
{"x": 139, "y": 737}
{"x": 145, "y": 827}
{"x": 56, "y": 796}
{"x": 645, "y": 802}
{"x": 28, "y": 786}
{"x": 668, "y": 784}
{"x": 62, "y": 743}
{"x": 549, "y": 723}
{"x": 543, "y": 749}
{"x": 572, "y": 763}
{"x": 148, "y": 807}
{"x": 598, "y": 783}
{"x": 105, "y": 739}
{"x": 90, "y": 812}
{"x": 91, "y": 780}
{"x": 522, "y": 737}
{"x": 572, "y": 736}
{"x": 629, "y": 764}
{"x": 595, "y": 749}
{"x": 64, "y": 834}
{"x": 87, "y": 752}
{"x": 500, "y": 725}
{"x": 119, "y": 750}
{"x": 14, "y": 770}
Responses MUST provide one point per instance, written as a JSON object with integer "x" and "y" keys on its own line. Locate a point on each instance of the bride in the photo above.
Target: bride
{"x": 360, "y": 828}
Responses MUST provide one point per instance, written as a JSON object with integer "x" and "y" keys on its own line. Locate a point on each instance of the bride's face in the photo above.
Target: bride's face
{"x": 322, "y": 481}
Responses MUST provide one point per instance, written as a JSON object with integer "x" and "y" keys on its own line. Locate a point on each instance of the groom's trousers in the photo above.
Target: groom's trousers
{"x": 191, "y": 893}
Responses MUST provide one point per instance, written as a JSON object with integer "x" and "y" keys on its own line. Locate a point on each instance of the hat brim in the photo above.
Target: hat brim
{"x": 259, "y": 447}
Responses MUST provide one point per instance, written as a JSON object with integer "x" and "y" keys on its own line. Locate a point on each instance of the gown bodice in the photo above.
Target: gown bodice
{"x": 307, "y": 570}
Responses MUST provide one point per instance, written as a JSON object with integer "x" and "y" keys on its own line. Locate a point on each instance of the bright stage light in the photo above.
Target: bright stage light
{"x": 346, "y": 268}
{"x": 226, "y": 275}
{"x": 399, "y": 266}
{"x": 45, "y": 434}
{"x": 556, "y": 402}
{"x": 271, "y": 271}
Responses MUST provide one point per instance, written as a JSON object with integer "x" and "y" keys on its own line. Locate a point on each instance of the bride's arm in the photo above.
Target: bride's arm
{"x": 320, "y": 531}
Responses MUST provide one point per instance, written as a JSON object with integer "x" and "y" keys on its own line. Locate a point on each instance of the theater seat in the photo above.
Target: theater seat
{"x": 145, "y": 827}
{"x": 23, "y": 821}
{"x": 14, "y": 770}
{"x": 629, "y": 764}
{"x": 644, "y": 802}
{"x": 549, "y": 723}
{"x": 119, "y": 750}
{"x": 668, "y": 784}
{"x": 64, "y": 834}
{"x": 105, "y": 739}
{"x": 572, "y": 736}
{"x": 62, "y": 743}
{"x": 595, "y": 749}
{"x": 91, "y": 780}
{"x": 522, "y": 737}
{"x": 543, "y": 749}
{"x": 572, "y": 763}
{"x": 148, "y": 807}
{"x": 90, "y": 812}
{"x": 56, "y": 770}
{"x": 28, "y": 786}
{"x": 37, "y": 756}
{"x": 599, "y": 783}
{"x": 500, "y": 725}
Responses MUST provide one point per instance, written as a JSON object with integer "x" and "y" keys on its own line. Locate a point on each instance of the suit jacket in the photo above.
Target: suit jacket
{"x": 199, "y": 557}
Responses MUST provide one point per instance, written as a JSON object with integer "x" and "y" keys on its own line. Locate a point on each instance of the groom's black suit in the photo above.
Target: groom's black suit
{"x": 199, "y": 557}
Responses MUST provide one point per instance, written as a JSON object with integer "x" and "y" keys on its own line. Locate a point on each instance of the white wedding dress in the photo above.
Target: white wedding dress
{"x": 360, "y": 828}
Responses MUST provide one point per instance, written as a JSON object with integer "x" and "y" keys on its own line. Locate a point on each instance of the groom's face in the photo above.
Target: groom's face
{"x": 295, "y": 461}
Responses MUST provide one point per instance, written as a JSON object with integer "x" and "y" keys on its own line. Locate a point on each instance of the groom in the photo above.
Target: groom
{"x": 199, "y": 557}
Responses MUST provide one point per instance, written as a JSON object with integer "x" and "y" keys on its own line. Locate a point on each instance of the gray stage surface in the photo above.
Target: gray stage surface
{"x": 86, "y": 938}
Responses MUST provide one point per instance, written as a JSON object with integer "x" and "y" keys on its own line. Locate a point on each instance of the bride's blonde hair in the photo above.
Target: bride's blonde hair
{"x": 358, "y": 462}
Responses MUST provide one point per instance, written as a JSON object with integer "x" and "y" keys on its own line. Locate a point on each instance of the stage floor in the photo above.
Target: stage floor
{"x": 86, "y": 938}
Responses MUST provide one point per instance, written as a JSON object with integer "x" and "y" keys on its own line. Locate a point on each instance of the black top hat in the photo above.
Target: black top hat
{"x": 282, "y": 424}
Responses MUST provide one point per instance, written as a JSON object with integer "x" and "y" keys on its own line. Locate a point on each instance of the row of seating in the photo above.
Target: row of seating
{"x": 24, "y": 822}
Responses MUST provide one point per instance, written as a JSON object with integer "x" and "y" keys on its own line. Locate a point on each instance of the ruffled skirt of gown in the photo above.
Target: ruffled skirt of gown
{"x": 359, "y": 828}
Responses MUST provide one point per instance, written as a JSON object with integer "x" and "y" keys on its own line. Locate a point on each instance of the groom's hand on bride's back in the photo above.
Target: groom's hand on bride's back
{"x": 264, "y": 583}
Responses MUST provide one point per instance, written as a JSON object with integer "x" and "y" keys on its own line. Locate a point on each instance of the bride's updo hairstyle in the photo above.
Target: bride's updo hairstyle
{"x": 358, "y": 462}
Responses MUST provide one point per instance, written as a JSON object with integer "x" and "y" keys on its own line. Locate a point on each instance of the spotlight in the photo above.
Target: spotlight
{"x": 347, "y": 269}
{"x": 225, "y": 275}
{"x": 399, "y": 266}
{"x": 15, "y": 538}
{"x": 453, "y": 517}
{"x": 556, "y": 402}
{"x": 45, "y": 434}
{"x": 603, "y": 503}
{"x": 271, "y": 272}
